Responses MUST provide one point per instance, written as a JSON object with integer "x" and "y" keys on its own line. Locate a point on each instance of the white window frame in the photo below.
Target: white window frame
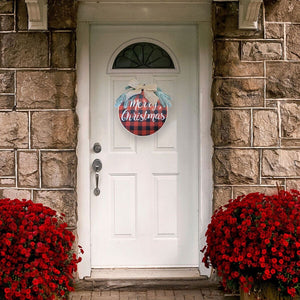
{"x": 110, "y": 69}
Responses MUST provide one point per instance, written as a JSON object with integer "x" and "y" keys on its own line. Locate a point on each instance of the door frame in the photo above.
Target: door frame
{"x": 150, "y": 12}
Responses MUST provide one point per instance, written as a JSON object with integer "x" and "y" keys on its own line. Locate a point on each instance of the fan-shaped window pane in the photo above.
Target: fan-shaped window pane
{"x": 143, "y": 56}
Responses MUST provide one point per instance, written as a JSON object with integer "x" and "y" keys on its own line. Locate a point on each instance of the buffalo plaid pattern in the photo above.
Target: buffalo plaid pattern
{"x": 140, "y": 120}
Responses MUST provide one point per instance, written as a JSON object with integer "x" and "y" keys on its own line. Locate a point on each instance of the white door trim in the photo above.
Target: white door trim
{"x": 205, "y": 107}
{"x": 144, "y": 11}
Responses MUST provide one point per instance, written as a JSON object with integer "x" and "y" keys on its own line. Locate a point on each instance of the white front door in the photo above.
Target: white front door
{"x": 147, "y": 212}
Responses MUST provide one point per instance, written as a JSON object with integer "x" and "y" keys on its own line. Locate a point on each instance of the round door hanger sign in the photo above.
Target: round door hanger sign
{"x": 143, "y": 109}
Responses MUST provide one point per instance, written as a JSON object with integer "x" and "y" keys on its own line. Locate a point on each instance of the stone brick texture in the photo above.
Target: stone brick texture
{"x": 38, "y": 123}
{"x": 256, "y": 98}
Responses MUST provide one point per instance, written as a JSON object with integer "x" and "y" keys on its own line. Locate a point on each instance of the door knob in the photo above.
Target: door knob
{"x": 97, "y": 165}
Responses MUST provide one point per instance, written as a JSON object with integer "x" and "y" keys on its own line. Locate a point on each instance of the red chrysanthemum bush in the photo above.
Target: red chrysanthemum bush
{"x": 254, "y": 239}
{"x": 36, "y": 255}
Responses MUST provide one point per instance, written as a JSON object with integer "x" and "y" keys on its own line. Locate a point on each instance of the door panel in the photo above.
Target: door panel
{"x": 146, "y": 214}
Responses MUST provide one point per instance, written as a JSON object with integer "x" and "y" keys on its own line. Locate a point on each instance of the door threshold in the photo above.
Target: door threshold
{"x": 183, "y": 279}
{"x": 145, "y": 273}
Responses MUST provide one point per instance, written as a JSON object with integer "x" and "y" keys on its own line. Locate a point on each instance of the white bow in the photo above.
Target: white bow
{"x": 137, "y": 88}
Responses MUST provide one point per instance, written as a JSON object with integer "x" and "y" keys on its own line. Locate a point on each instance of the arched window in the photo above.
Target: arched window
{"x": 143, "y": 55}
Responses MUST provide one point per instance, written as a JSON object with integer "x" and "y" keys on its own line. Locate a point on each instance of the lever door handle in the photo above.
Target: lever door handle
{"x": 96, "y": 189}
{"x": 97, "y": 167}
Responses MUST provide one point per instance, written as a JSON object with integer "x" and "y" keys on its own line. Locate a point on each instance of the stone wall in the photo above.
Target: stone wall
{"x": 256, "y": 96}
{"x": 38, "y": 124}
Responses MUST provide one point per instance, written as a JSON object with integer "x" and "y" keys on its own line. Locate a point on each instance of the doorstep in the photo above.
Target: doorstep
{"x": 143, "y": 279}
{"x": 149, "y": 284}
{"x": 146, "y": 273}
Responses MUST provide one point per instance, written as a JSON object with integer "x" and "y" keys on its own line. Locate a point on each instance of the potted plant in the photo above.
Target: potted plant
{"x": 253, "y": 243}
{"x": 37, "y": 260}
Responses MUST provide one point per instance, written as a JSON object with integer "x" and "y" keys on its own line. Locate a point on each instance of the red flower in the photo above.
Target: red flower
{"x": 255, "y": 238}
{"x": 36, "y": 257}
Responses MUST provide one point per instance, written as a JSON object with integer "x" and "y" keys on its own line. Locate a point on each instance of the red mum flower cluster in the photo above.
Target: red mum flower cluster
{"x": 36, "y": 257}
{"x": 254, "y": 239}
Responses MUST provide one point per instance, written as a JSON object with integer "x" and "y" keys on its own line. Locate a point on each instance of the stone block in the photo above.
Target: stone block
{"x": 15, "y": 194}
{"x": 290, "y": 120}
{"x": 283, "y": 80}
{"x": 281, "y": 162}
{"x": 59, "y": 169}
{"x": 54, "y": 129}
{"x": 61, "y": 201}
{"x": 6, "y": 23}
{"x": 265, "y": 128}
{"x": 293, "y": 184}
{"x": 231, "y": 127}
{"x": 7, "y": 82}
{"x": 290, "y": 143}
{"x": 7, "y": 102}
{"x": 225, "y": 20}
{"x": 271, "y": 103}
{"x": 276, "y": 182}
{"x": 62, "y": 14}
{"x": 6, "y": 6}
{"x": 282, "y": 10}
{"x": 45, "y": 89}
{"x": 7, "y": 182}
{"x": 24, "y": 50}
{"x": 28, "y": 169}
{"x": 292, "y": 41}
{"x": 63, "y": 50}
{"x": 22, "y": 16}
{"x": 228, "y": 63}
{"x": 274, "y": 31}
{"x": 238, "y": 92}
{"x": 236, "y": 166}
{"x": 221, "y": 196}
{"x": 7, "y": 163}
{"x": 257, "y": 51}
{"x": 245, "y": 190}
{"x": 13, "y": 130}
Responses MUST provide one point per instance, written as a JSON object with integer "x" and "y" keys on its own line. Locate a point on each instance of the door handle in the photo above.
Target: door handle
{"x": 97, "y": 167}
{"x": 96, "y": 189}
